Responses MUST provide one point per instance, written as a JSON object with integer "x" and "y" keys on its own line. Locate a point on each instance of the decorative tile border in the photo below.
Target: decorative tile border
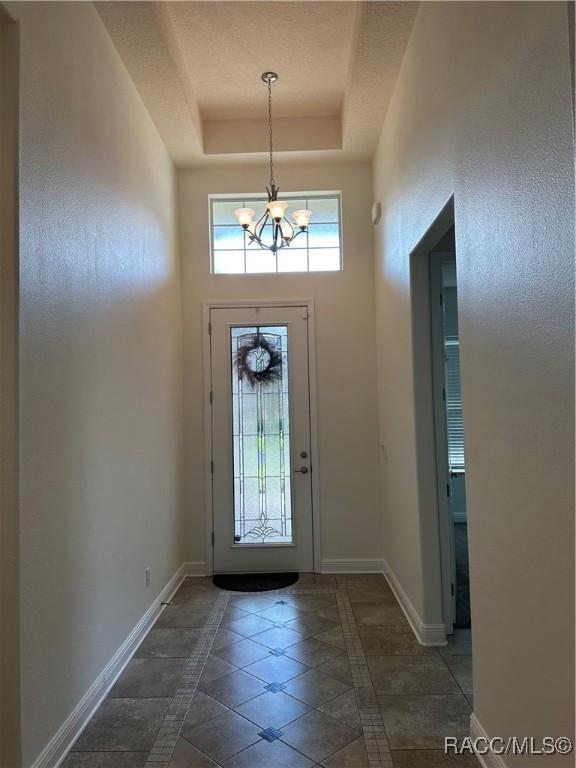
{"x": 375, "y": 737}
{"x": 169, "y": 733}
{"x": 377, "y": 746}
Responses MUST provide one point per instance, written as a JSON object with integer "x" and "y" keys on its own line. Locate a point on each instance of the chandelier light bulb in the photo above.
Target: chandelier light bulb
{"x": 277, "y": 208}
{"x": 302, "y": 218}
{"x": 244, "y": 216}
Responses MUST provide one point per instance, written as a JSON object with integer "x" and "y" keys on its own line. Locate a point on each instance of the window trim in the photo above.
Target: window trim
{"x": 239, "y": 198}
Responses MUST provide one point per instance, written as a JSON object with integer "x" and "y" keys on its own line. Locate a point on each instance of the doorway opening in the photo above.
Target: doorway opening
{"x": 449, "y": 428}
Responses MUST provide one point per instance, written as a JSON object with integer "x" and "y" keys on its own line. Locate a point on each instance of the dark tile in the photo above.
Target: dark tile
{"x": 148, "y": 678}
{"x": 277, "y": 669}
{"x": 314, "y": 688}
{"x": 215, "y": 668}
{"x": 183, "y": 616}
{"x": 278, "y": 637}
{"x": 392, "y": 641}
{"x": 272, "y": 709}
{"x": 223, "y": 736}
{"x": 309, "y": 624}
{"x": 127, "y": 725}
{"x": 185, "y": 755}
{"x": 233, "y": 689}
{"x": 243, "y": 653}
{"x": 202, "y": 709}
{"x": 461, "y": 668}
{"x": 353, "y": 755}
{"x": 339, "y": 667}
{"x": 343, "y": 708}
{"x": 431, "y": 758}
{"x": 275, "y": 687}
{"x": 268, "y": 755}
{"x": 270, "y": 734}
{"x": 105, "y": 760}
{"x": 169, "y": 643}
{"x": 252, "y": 624}
{"x": 380, "y": 614}
{"x": 313, "y": 652}
{"x": 317, "y": 735}
{"x": 422, "y": 722}
{"x": 410, "y": 674}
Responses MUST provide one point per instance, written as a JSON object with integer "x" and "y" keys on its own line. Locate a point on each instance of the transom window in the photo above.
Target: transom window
{"x": 317, "y": 250}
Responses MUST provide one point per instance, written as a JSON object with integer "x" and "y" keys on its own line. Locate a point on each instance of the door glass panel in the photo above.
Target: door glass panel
{"x": 261, "y": 435}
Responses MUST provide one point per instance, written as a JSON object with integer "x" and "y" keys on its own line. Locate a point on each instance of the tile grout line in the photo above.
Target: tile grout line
{"x": 169, "y": 732}
{"x": 375, "y": 738}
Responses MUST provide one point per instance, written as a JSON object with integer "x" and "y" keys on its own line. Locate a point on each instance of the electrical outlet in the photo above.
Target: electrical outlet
{"x": 148, "y": 576}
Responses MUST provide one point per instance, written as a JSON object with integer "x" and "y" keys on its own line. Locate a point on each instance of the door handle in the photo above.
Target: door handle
{"x": 303, "y": 470}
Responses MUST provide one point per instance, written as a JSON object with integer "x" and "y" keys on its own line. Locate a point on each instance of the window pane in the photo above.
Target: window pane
{"x": 327, "y": 260}
{"x": 323, "y": 233}
{"x": 324, "y": 210}
{"x": 228, "y": 238}
{"x": 223, "y": 212}
{"x": 293, "y": 260}
{"x": 228, "y": 262}
{"x": 262, "y": 500}
{"x": 260, "y": 261}
{"x": 323, "y": 236}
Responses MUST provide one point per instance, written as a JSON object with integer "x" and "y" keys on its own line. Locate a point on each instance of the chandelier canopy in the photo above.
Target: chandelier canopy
{"x": 272, "y": 230}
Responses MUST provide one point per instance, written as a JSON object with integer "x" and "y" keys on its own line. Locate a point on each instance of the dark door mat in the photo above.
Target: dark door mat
{"x": 254, "y": 582}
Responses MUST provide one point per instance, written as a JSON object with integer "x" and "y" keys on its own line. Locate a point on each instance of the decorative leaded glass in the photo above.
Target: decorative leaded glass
{"x": 261, "y": 435}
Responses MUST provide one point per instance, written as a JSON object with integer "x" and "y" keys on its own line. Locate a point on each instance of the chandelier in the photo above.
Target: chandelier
{"x": 272, "y": 230}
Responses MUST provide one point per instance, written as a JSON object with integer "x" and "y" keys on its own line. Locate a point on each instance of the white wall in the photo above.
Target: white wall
{"x": 100, "y": 360}
{"x": 482, "y": 109}
{"x": 348, "y": 443}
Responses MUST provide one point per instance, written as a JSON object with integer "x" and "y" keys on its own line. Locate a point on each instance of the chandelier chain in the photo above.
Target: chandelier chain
{"x": 272, "y": 181}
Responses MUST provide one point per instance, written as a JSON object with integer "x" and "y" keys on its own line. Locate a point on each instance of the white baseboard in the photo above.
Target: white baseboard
{"x": 426, "y": 634}
{"x": 351, "y": 566}
{"x": 61, "y": 743}
{"x": 489, "y": 760}
{"x": 194, "y": 568}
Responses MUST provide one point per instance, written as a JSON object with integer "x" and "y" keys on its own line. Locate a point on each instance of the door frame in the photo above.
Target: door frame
{"x": 10, "y": 662}
{"x": 437, "y": 612}
{"x": 207, "y": 306}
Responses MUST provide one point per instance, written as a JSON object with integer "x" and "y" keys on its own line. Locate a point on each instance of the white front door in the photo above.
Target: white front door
{"x": 261, "y": 478}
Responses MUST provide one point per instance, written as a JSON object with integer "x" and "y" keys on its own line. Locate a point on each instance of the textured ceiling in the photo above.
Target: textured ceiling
{"x": 197, "y": 66}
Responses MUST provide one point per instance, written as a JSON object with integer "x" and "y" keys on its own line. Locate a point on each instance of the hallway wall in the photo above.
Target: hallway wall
{"x": 345, "y": 337}
{"x": 482, "y": 110}
{"x": 100, "y": 360}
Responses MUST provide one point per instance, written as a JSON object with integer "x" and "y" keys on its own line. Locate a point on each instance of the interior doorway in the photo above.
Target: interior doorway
{"x": 449, "y": 429}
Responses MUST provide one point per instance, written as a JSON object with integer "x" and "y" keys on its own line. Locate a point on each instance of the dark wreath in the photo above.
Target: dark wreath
{"x": 262, "y": 367}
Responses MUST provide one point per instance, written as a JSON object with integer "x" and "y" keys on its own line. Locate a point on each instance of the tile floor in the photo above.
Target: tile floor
{"x": 323, "y": 674}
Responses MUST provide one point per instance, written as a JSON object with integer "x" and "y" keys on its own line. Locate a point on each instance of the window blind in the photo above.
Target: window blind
{"x": 454, "y": 404}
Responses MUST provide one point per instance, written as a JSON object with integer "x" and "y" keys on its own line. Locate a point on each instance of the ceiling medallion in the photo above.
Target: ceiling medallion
{"x": 280, "y": 232}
